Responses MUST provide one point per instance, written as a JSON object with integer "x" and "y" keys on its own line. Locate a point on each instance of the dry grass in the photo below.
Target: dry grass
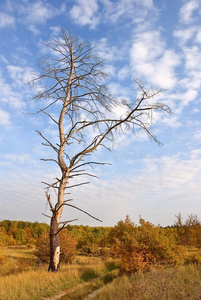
{"x": 37, "y": 284}
{"x": 21, "y": 278}
{"x": 179, "y": 283}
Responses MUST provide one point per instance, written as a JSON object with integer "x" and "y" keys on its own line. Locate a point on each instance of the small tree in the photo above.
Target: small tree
{"x": 189, "y": 232}
{"x": 68, "y": 247}
{"x": 79, "y": 103}
{"x": 142, "y": 247}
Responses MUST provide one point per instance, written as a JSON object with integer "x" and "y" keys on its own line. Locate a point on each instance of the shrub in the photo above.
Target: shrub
{"x": 142, "y": 247}
{"x": 67, "y": 243}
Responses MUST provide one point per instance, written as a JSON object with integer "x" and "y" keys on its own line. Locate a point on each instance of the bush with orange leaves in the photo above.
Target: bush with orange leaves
{"x": 143, "y": 247}
{"x": 68, "y": 247}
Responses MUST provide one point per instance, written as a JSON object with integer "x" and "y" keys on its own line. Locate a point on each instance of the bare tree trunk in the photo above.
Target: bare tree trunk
{"x": 54, "y": 245}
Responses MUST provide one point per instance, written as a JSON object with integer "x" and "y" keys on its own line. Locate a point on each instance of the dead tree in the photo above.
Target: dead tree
{"x": 79, "y": 101}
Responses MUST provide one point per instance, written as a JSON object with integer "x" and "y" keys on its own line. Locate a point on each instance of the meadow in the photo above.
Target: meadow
{"x": 128, "y": 261}
{"x": 22, "y": 278}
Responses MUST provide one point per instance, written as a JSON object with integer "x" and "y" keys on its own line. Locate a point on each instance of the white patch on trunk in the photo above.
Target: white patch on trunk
{"x": 56, "y": 256}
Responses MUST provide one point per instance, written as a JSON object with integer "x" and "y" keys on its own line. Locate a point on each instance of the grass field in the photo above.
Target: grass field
{"x": 176, "y": 283}
{"x": 21, "y": 278}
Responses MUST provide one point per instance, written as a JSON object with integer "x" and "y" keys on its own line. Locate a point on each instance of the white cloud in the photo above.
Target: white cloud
{"x": 187, "y": 10}
{"x": 4, "y": 118}
{"x": 150, "y": 59}
{"x": 2, "y": 57}
{"x": 123, "y": 73}
{"x": 135, "y": 10}
{"x": 192, "y": 58}
{"x": 109, "y": 52}
{"x": 186, "y": 34}
{"x": 196, "y": 110}
{"x": 93, "y": 12}
{"x": 20, "y": 76}
{"x": 198, "y": 36}
{"x": 84, "y": 12}
{"x": 10, "y": 96}
{"x": 56, "y": 30}
{"x": 196, "y": 153}
{"x": 20, "y": 158}
{"x": 6, "y": 20}
{"x": 168, "y": 185}
{"x": 39, "y": 12}
{"x": 197, "y": 135}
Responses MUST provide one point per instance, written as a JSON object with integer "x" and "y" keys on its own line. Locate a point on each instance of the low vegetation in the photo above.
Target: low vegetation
{"x": 68, "y": 247}
{"x": 144, "y": 247}
{"x": 175, "y": 283}
{"x": 22, "y": 278}
{"x": 127, "y": 261}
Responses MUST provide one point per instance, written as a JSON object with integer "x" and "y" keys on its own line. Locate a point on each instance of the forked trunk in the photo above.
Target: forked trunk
{"x": 54, "y": 245}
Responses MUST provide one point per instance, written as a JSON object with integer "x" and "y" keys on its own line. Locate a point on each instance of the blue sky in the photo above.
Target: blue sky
{"x": 157, "y": 41}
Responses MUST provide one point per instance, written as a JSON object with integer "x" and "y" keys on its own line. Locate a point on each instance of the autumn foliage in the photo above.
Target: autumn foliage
{"x": 143, "y": 247}
{"x": 140, "y": 247}
{"x": 188, "y": 231}
{"x": 68, "y": 247}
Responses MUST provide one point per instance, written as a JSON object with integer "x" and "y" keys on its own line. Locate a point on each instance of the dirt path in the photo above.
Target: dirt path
{"x": 91, "y": 295}
{"x": 68, "y": 292}
{"x": 86, "y": 290}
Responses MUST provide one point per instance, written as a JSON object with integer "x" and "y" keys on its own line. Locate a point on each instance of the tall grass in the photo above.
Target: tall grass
{"x": 37, "y": 284}
{"x": 22, "y": 279}
{"x": 176, "y": 283}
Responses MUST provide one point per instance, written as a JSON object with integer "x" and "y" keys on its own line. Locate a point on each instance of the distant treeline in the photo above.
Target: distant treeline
{"x": 92, "y": 240}
{"x": 20, "y": 232}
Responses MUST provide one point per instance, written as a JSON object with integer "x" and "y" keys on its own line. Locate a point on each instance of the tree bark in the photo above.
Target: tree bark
{"x": 54, "y": 244}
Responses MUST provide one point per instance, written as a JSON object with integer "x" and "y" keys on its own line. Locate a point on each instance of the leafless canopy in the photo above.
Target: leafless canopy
{"x": 76, "y": 99}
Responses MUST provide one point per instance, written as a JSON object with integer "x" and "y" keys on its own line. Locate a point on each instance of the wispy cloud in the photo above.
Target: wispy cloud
{"x": 95, "y": 12}
{"x": 6, "y": 20}
{"x": 85, "y": 13}
{"x": 37, "y": 13}
{"x": 153, "y": 192}
{"x": 189, "y": 34}
{"x": 150, "y": 59}
{"x": 21, "y": 76}
{"x": 3, "y": 59}
{"x": 4, "y": 118}
{"x": 188, "y": 9}
{"x": 10, "y": 96}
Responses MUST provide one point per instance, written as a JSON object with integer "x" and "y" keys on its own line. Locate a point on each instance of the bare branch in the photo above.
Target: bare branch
{"x": 49, "y": 159}
{"x": 49, "y": 201}
{"x": 42, "y": 110}
{"x": 80, "y": 210}
{"x": 75, "y": 91}
{"x": 49, "y": 143}
{"x": 64, "y": 225}
{"x": 90, "y": 163}
{"x": 65, "y": 222}
{"x": 82, "y": 174}
{"x": 53, "y": 185}
{"x": 69, "y": 187}
{"x": 46, "y": 215}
